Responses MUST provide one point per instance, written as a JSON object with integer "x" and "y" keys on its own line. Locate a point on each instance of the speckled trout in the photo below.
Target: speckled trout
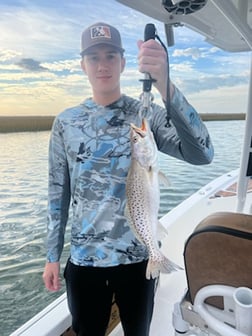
{"x": 143, "y": 196}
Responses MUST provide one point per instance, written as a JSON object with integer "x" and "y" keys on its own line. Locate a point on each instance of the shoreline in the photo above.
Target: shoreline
{"x": 10, "y": 124}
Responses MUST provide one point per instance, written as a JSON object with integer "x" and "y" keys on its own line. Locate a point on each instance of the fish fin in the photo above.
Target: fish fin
{"x": 152, "y": 270}
{"x": 165, "y": 265}
{"x": 163, "y": 179}
{"x": 161, "y": 231}
{"x": 169, "y": 266}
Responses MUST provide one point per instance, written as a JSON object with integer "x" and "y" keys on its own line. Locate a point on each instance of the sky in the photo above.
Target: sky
{"x": 40, "y": 70}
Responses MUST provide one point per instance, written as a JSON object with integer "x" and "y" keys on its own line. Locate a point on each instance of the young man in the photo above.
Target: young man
{"x": 89, "y": 157}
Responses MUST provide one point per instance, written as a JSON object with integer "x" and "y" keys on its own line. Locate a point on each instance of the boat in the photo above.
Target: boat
{"x": 210, "y": 233}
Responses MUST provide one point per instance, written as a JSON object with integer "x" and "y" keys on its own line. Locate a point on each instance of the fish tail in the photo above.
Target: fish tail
{"x": 163, "y": 265}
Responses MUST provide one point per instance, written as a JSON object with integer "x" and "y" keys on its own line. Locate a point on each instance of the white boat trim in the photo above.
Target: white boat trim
{"x": 246, "y": 152}
{"x": 52, "y": 320}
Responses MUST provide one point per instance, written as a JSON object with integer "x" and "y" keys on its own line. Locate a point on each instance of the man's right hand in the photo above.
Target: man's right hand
{"x": 51, "y": 276}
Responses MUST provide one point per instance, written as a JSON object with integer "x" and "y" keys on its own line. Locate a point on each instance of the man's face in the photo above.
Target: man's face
{"x": 103, "y": 65}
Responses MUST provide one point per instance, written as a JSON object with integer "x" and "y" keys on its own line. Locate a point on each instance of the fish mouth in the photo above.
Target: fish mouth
{"x": 140, "y": 130}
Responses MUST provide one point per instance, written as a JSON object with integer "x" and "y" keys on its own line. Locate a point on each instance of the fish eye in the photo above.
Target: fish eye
{"x": 135, "y": 138}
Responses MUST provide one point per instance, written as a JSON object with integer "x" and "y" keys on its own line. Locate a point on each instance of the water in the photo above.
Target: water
{"x": 23, "y": 197}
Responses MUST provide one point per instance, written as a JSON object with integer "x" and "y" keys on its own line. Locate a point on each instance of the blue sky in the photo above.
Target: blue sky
{"x": 40, "y": 64}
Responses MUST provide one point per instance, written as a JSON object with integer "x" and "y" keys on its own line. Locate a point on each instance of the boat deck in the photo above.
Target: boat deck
{"x": 231, "y": 190}
{"x": 114, "y": 321}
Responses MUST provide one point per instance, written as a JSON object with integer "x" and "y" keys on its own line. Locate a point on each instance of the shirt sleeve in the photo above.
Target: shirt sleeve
{"x": 181, "y": 133}
{"x": 58, "y": 194}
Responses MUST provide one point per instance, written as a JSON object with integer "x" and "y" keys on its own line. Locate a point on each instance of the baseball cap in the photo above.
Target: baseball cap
{"x": 100, "y": 33}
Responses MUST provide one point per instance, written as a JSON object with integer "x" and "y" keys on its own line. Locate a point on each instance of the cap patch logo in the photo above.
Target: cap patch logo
{"x": 100, "y": 31}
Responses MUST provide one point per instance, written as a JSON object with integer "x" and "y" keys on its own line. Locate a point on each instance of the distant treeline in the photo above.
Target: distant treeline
{"x": 25, "y": 123}
{"x": 44, "y": 123}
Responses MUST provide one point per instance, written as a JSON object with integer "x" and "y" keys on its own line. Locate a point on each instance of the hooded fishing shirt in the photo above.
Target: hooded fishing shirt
{"x": 89, "y": 157}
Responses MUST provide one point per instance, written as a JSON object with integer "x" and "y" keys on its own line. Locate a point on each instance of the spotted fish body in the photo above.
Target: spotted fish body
{"x": 142, "y": 191}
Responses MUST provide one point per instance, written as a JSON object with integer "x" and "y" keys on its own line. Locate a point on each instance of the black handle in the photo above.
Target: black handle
{"x": 149, "y": 32}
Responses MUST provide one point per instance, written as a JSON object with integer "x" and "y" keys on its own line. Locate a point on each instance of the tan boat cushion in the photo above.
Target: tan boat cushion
{"x": 219, "y": 251}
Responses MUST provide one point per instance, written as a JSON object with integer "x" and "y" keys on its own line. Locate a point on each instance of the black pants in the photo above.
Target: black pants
{"x": 90, "y": 291}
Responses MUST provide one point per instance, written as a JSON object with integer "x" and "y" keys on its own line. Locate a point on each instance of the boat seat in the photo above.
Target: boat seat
{"x": 219, "y": 251}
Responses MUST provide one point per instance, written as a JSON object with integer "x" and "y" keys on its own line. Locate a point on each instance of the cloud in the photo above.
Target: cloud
{"x": 195, "y": 53}
{"x": 40, "y": 61}
{"x": 46, "y": 30}
{"x": 44, "y": 97}
{"x": 40, "y": 32}
{"x": 8, "y": 54}
{"x": 217, "y": 100}
{"x": 31, "y": 65}
{"x": 64, "y": 65}
{"x": 183, "y": 68}
{"x": 23, "y": 78}
{"x": 209, "y": 82}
